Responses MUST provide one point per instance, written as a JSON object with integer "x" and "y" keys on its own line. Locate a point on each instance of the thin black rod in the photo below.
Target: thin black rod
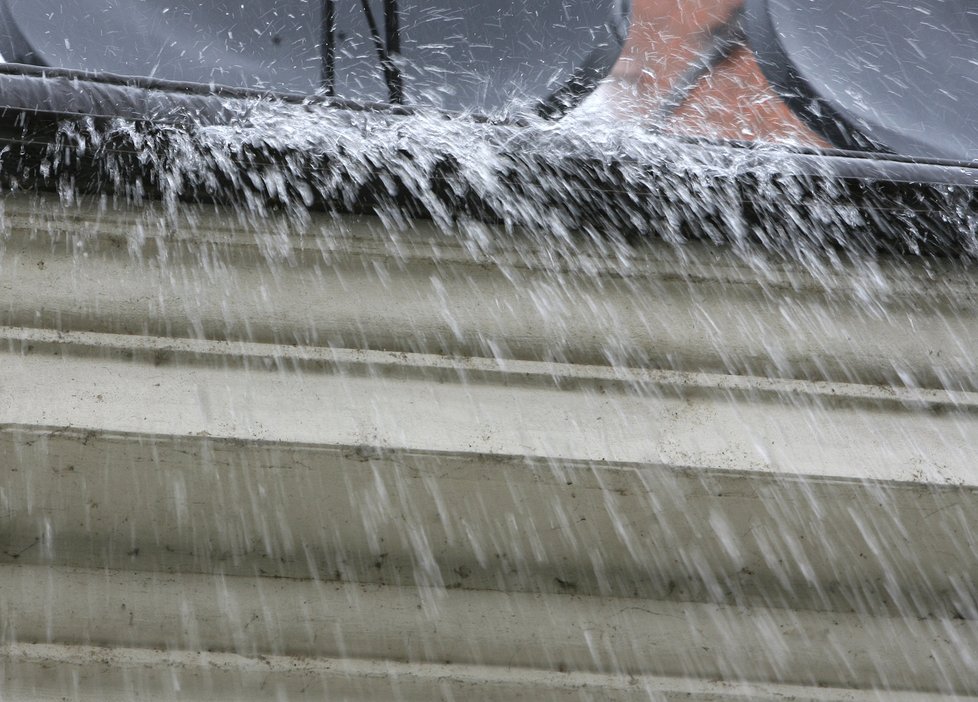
{"x": 392, "y": 22}
{"x": 391, "y": 74}
{"x": 328, "y": 43}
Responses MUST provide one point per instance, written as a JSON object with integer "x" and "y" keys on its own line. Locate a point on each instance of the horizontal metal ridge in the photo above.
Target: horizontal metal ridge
{"x": 504, "y": 632}
{"x": 45, "y": 671}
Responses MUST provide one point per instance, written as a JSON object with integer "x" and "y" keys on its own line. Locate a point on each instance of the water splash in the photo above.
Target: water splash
{"x": 571, "y": 214}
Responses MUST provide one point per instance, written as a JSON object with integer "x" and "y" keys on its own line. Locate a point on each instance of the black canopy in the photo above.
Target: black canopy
{"x": 460, "y": 55}
{"x": 882, "y": 74}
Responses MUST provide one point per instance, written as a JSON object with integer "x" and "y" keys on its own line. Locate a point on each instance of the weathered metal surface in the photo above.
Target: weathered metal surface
{"x": 425, "y": 472}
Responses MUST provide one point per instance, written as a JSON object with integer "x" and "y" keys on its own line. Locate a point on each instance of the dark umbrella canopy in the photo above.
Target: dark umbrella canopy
{"x": 897, "y": 75}
{"x": 481, "y": 55}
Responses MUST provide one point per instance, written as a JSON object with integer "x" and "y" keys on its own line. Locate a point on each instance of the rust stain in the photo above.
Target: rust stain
{"x": 734, "y": 101}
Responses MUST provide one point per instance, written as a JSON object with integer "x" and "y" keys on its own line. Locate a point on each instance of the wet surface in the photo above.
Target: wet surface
{"x": 579, "y": 408}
